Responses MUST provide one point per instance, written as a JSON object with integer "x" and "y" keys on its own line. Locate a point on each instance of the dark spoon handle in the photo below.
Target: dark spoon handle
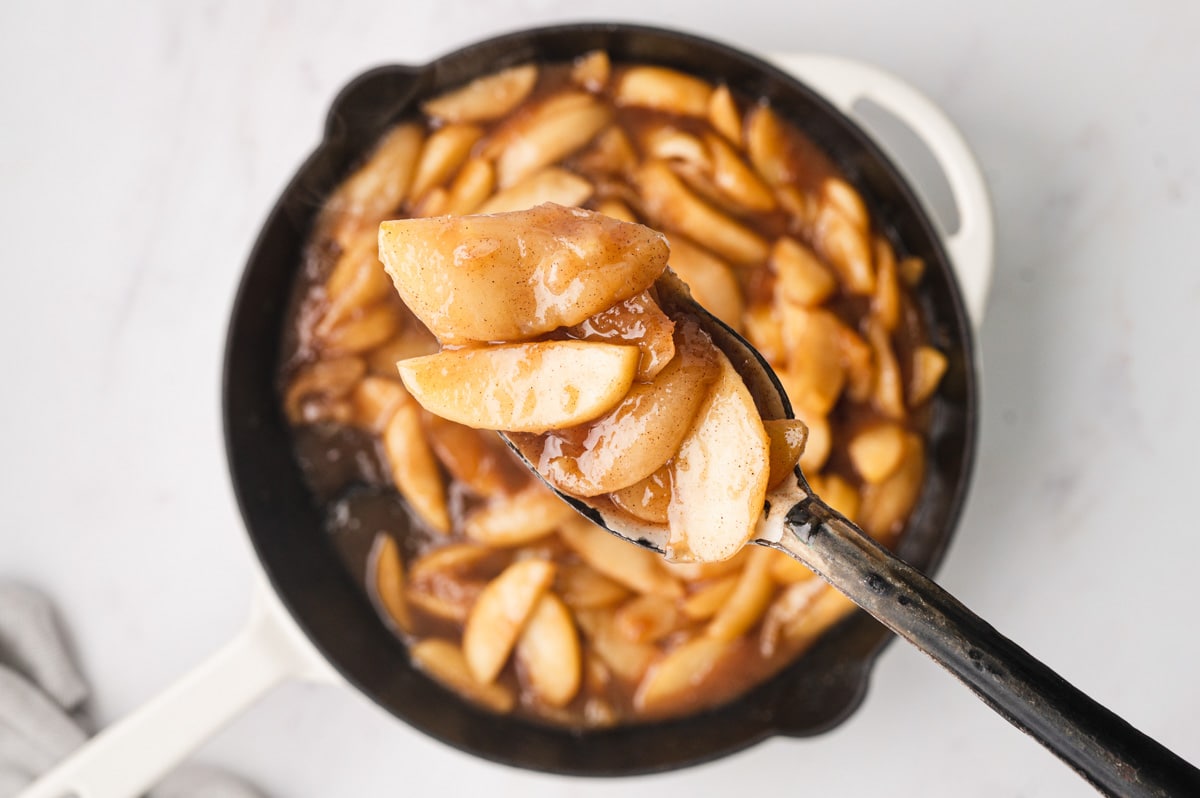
{"x": 1115, "y": 757}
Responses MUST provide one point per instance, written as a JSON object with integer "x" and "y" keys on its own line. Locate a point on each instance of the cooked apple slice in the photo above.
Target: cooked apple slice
{"x": 445, "y": 151}
{"x": 928, "y": 366}
{"x": 676, "y": 677}
{"x": 531, "y": 387}
{"x": 801, "y": 277}
{"x": 489, "y": 97}
{"x": 476, "y": 458}
{"x": 876, "y": 450}
{"x": 637, "y": 320}
{"x": 513, "y": 276}
{"x": 737, "y": 181}
{"x": 787, "y": 436}
{"x": 648, "y": 619}
{"x": 548, "y": 133}
{"x": 663, "y": 89}
{"x": 720, "y": 475}
{"x": 443, "y": 660}
{"x": 643, "y": 431}
{"x": 669, "y": 203}
{"x": 711, "y": 280}
{"x": 415, "y": 471}
{"x": 749, "y": 599}
{"x": 549, "y": 654}
{"x": 389, "y": 581}
{"x": 887, "y": 504}
{"x": 516, "y": 519}
{"x": 620, "y": 560}
{"x": 708, "y": 600}
{"x": 723, "y": 114}
{"x": 552, "y": 184}
{"x": 648, "y": 499}
{"x": 627, "y": 659}
{"x": 839, "y": 494}
{"x": 584, "y": 588}
{"x": 591, "y": 70}
{"x": 500, "y": 613}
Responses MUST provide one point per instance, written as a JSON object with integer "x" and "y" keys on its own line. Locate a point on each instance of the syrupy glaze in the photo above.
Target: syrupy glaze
{"x": 344, "y": 453}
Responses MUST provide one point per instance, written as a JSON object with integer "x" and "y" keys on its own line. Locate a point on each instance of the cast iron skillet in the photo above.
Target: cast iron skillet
{"x": 285, "y": 522}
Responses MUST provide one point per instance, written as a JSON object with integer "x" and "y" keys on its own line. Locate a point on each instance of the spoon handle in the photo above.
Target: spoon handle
{"x": 1115, "y": 757}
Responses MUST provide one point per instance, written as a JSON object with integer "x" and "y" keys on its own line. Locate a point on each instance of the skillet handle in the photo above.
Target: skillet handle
{"x": 128, "y": 757}
{"x": 1115, "y": 757}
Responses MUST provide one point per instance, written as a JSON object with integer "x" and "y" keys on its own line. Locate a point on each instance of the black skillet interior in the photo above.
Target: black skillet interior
{"x": 285, "y": 522}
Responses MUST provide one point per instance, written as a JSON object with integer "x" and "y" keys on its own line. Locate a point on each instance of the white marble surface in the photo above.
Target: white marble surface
{"x": 144, "y": 143}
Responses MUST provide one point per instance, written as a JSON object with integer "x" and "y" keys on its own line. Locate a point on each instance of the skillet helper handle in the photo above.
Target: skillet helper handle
{"x": 128, "y": 757}
{"x": 1106, "y": 750}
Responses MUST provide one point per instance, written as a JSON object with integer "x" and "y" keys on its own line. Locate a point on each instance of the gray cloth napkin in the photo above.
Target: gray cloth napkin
{"x": 42, "y": 697}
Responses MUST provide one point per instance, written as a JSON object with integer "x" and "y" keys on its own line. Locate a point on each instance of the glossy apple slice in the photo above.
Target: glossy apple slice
{"x": 642, "y": 432}
{"x": 532, "y": 387}
{"x": 719, "y": 477}
{"x": 513, "y": 276}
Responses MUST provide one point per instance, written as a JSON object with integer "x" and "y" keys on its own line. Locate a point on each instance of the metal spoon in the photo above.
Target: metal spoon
{"x": 1103, "y": 748}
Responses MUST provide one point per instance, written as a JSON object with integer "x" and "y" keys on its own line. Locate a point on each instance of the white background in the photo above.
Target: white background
{"x": 143, "y": 144}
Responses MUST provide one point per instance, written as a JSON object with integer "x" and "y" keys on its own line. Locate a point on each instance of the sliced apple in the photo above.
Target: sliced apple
{"x": 625, "y": 658}
{"x": 531, "y": 387}
{"x": 476, "y": 458}
{"x": 801, "y": 277}
{"x": 736, "y": 180}
{"x": 620, "y": 560}
{"x": 816, "y": 373}
{"x": 711, "y": 280}
{"x": 663, "y": 89}
{"x": 638, "y": 320}
{"x": 415, "y": 471}
{"x": 549, "y": 653}
{"x": 500, "y": 614}
{"x": 723, "y": 114}
{"x": 389, "y": 581}
{"x": 886, "y": 505}
{"x": 749, "y": 599}
{"x": 839, "y": 494}
{"x": 668, "y": 202}
{"x": 518, "y": 518}
{"x": 928, "y": 366}
{"x": 443, "y": 660}
{"x": 648, "y": 499}
{"x": 720, "y": 474}
{"x": 876, "y": 450}
{"x": 513, "y": 276}
{"x": 548, "y": 133}
{"x": 643, "y": 431}
{"x": 445, "y": 151}
{"x": 584, "y": 588}
{"x": 591, "y": 70}
{"x": 552, "y": 184}
{"x": 787, "y": 436}
{"x": 489, "y": 97}
{"x": 708, "y": 600}
{"x": 648, "y": 619}
{"x": 675, "y": 679}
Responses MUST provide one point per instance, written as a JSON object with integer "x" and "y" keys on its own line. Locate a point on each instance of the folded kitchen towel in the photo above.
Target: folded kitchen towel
{"x": 42, "y": 695}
